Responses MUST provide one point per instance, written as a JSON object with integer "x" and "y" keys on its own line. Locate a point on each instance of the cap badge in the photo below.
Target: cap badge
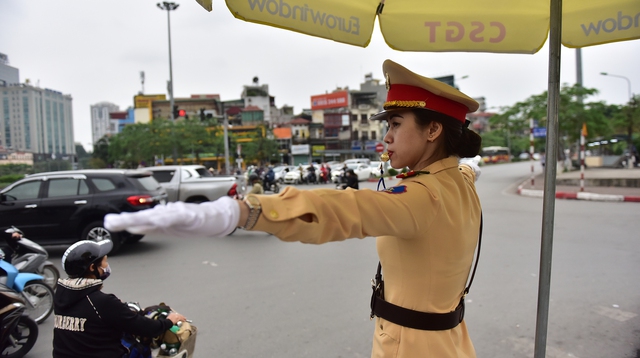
{"x": 388, "y": 83}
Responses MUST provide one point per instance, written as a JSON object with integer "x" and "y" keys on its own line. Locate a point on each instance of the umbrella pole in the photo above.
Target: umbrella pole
{"x": 551, "y": 152}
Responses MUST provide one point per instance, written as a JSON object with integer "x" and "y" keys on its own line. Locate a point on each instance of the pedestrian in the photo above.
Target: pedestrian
{"x": 427, "y": 226}
{"x": 89, "y": 322}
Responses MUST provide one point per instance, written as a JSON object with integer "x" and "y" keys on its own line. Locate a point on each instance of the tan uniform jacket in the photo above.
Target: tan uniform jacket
{"x": 426, "y": 230}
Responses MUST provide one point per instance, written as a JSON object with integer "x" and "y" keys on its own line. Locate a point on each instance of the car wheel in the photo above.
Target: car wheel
{"x": 97, "y": 232}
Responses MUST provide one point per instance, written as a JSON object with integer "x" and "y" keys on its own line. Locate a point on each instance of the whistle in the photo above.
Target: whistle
{"x": 384, "y": 157}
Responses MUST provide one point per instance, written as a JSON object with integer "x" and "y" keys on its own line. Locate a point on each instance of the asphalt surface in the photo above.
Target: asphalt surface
{"x": 251, "y": 295}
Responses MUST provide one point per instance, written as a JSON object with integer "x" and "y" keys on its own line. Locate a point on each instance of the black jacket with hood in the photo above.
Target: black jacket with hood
{"x": 90, "y": 323}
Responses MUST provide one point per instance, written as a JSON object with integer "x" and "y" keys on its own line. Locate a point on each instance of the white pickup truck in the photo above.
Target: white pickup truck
{"x": 195, "y": 184}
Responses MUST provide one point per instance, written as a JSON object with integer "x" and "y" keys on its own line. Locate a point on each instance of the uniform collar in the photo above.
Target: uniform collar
{"x": 440, "y": 165}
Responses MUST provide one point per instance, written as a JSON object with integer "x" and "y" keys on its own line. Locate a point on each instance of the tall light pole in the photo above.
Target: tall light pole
{"x": 169, "y": 6}
{"x": 630, "y": 129}
{"x": 623, "y": 77}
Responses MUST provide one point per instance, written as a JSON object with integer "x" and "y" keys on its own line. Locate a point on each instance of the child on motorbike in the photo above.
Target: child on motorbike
{"x": 89, "y": 322}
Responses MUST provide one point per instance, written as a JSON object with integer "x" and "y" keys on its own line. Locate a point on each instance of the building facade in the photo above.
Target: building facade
{"x": 101, "y": 122}
{"x": 36, "y": 120}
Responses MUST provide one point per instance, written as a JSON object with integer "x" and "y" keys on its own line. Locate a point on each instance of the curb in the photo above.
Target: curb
{"x": 579, "y": 196}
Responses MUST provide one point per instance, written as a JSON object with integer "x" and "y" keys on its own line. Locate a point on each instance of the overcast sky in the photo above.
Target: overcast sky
{"x": 95, "y": 50}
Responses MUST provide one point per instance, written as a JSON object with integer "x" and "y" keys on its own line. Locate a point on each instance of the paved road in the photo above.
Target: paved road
{"x": 253, "y": 296}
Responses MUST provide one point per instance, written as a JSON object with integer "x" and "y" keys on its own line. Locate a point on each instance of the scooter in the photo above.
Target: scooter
{"x": 30, "y": 257}
{"x": 18, "y": 332}
{"x": 273, "y": 186}
{"x": 38, "y": 296}
{"x": 179, "y": 341}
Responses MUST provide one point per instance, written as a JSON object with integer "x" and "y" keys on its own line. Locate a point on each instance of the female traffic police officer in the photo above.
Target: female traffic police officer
{"x": 426, "y": 226}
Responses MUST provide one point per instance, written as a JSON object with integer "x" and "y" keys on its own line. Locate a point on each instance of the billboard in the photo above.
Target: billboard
{"x": 330, "y": 100}
{"x": 300, "y": 149}
{"x": 144, "y": 101}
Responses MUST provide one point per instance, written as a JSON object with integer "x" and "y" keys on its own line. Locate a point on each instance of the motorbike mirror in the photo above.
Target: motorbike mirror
{"x": 13, "y": 229}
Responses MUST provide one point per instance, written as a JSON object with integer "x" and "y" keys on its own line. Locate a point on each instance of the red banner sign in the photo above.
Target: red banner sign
{"x": 330, "y": 100}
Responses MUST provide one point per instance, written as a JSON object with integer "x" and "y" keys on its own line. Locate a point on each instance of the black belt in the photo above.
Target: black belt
{"x": 416, "y": 319}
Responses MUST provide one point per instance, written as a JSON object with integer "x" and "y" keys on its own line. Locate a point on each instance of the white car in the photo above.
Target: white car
{"x": 292, "y": 177}
{"x": 280, "y": 171}
{"x": 362, "y": 170}
{"x": 375, "y": 168}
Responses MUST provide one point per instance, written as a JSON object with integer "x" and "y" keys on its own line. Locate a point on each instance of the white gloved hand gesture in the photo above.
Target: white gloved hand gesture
{"x": 213, "y": 218}
{"x": 473, "y": 163}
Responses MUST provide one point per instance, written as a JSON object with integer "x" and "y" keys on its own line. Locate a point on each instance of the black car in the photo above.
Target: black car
{"x": 59, "y": 208}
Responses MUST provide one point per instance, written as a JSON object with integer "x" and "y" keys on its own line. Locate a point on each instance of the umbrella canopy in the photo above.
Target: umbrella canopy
{"x": 501, "y": 26}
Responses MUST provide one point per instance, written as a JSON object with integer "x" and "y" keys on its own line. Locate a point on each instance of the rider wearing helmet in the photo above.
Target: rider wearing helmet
{"x": 89, "y": 322}
{"x": 256, "y": 186}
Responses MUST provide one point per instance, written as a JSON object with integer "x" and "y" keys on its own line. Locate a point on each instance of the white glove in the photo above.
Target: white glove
{"x": 213, "y": 218}
{"x": 473, "y": 164}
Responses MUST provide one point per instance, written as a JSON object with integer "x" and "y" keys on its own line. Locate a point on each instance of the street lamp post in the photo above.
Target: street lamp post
{"x": 623, "y": 77}
{"x": 169, "y": 6}
{"x": 630, "y": 130}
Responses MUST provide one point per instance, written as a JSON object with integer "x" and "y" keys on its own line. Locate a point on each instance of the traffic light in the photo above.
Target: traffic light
{"x": 182, "y": 113}
{"x": 202, "y": 116}
{"x": 175, "y": 111}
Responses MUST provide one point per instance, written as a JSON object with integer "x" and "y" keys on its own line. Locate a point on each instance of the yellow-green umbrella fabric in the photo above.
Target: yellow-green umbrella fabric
{"x": 500, "y": 26}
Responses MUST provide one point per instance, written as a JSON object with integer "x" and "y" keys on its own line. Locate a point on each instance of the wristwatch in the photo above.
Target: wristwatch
{"x": 254, "y": 212}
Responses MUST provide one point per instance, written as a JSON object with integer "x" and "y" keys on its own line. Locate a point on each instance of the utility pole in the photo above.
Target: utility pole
{"x": 170, "y": 6}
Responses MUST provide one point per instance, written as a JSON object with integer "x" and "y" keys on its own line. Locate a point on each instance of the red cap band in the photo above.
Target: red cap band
{"x": 400, "y": 92}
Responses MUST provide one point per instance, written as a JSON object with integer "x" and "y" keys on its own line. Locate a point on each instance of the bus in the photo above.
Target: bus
{"x": 496, "y": 154}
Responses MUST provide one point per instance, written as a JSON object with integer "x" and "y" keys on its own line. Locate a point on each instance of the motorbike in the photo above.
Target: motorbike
{"x": 271, "y": 186}
{"x": 179, "y": 341}
{"x": 18, "y": 332}
{"x": 30, "y": 257}
{"x": 38, "y": 296}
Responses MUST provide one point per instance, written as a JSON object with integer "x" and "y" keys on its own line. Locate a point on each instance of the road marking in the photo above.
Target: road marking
{"x": 614, "y": 313}
{"x": 211, "y": 263}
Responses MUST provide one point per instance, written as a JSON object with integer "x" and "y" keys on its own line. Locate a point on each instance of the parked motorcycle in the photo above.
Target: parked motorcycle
{"x": 38, "y": 296}
{"x": 28, "y": 256}
{"x": 18, "y": 332}
{"x": 179, "y": 341}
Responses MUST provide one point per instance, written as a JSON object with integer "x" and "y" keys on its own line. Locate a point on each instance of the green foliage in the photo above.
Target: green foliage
{"x": 10, "y": 178}
{"x": 573, "y": 111}
{"x": 261, "y": 149}
{"x": 101, "y": 149}
{"x": 392, "y": 172}
{"x": 18, "y": 169}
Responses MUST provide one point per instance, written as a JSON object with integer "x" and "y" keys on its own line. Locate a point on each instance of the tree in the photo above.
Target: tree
{"x": 627, "y": 119}
{"x": 83, "y": 156}
{"x": 573, "y": 111}
{"x": 100, "y": 151}
{"x": 261, "y": 148}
